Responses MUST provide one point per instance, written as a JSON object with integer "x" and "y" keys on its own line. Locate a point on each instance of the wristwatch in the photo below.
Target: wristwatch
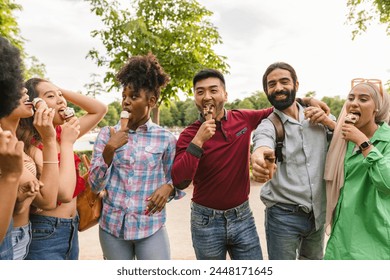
{"x": 365, "y": 145}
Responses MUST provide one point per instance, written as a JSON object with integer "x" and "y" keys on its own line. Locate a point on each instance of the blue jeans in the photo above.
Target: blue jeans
{"x": 291, "y": 234}
{"x": 154, "y": 247}
{"x": 21, "y": 239}
{"x": 217, "y": 232}
{"x": 54, "y": 238}
{"x": 6, "y": 250}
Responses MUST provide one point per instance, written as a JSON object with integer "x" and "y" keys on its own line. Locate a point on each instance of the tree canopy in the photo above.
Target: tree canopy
{"x": 178, "y": 32}
{"x": 8, "y": 25}
{"x": 9, "y": 29}
{"x": 363, "y": 12}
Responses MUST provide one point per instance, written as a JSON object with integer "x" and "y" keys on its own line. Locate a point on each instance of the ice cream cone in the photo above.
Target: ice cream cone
{"x": 269, "y": 157}
{"x": 38, "y": 102}
{"x": 208, "y": 112}
{"x": 68, "y": 112}
{"x": 124, "y": 119}
{"x": 351, "y": 118}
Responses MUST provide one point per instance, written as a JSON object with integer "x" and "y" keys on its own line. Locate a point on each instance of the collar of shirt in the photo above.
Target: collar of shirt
{"x": 285, "y": 117}
{"x": 381, "y": 134}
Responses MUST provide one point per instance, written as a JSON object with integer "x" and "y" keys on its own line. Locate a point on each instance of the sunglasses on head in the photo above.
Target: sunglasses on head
{"x": 376, "y": 82}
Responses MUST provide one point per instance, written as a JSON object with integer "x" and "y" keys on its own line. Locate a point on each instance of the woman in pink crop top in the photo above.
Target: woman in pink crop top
{"x": 55, "y": 232}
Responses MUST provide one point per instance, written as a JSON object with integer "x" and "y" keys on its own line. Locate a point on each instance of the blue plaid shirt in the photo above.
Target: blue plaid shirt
{"x": 137, "y": 170}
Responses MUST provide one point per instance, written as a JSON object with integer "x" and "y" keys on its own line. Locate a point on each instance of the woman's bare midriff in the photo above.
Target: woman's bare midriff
{"x": 65, "y": 210}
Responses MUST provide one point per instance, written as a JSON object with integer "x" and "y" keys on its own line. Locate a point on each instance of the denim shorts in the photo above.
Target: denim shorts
{"x": 53, "y": 238}
{"x": 6, "y": 251}
{"x": 21, "y": 239}
{"x": 218, "y": 232}
{"x": 291, "y": 233}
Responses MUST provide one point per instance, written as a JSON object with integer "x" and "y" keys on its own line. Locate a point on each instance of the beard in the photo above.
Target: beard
{"x": 282, "y": 104}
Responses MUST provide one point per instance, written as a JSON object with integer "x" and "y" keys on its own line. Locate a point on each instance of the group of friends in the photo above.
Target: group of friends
{"x": 338, "y": 185}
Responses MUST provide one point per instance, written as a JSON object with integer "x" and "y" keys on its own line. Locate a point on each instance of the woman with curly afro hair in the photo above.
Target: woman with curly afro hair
{"x": 11, "y": 150}
{"x": 11, "y": 78}
{"x": 132, "y": 162}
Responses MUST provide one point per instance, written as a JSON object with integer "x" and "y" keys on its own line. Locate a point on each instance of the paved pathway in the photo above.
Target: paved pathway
{"x": 178, "y": 226}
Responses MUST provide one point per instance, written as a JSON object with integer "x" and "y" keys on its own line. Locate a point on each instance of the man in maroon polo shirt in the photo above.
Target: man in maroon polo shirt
{"x": 214, "y": 155}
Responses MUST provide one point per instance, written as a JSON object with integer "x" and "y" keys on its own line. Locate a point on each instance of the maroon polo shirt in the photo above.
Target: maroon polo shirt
{"x": 220, "y": 169}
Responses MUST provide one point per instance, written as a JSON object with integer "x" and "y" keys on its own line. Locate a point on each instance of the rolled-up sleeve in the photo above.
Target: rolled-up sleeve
{"x": 378, "y": 166}
{"x": 264, "y": 135}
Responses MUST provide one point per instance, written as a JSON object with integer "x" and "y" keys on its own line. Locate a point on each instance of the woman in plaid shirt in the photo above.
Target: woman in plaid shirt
{"x": 132, "y": 163}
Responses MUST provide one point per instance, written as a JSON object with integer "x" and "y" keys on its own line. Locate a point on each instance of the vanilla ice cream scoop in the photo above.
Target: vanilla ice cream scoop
{"x": 351, "y": 118}
{"x": 125, "y": 115}
{"x": 68, "y": 112}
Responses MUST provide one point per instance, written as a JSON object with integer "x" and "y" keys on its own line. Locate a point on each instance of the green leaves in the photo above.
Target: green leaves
{"x": 363, "y": 12}
{"x": 9, "y": 29}
{"x": 8, "y": 25}
{"x": 178, "y": 32}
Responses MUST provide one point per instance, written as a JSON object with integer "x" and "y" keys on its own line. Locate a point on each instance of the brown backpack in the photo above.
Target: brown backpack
{"x": 280, "y": 135}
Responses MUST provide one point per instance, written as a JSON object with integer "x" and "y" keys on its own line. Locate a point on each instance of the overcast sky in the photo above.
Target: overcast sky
{"x": 311, "y": 35}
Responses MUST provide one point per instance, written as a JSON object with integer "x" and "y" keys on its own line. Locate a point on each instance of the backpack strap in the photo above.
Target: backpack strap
{"x": 329, "y": 134}
{"x": 279, "y": 131}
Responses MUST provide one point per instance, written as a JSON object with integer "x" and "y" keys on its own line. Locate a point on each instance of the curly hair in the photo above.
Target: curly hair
{"x": 143, "y": 72}
{"x": 11, "y": 77}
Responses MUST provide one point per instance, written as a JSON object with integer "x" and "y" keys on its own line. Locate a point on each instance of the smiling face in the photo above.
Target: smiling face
{"x": 210, "y": 93}
{"x": 54, "y": 99}
{"x": 281, "y": 89}
{"x": 361, "y": 103}
{"x": 138, "y": 104}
